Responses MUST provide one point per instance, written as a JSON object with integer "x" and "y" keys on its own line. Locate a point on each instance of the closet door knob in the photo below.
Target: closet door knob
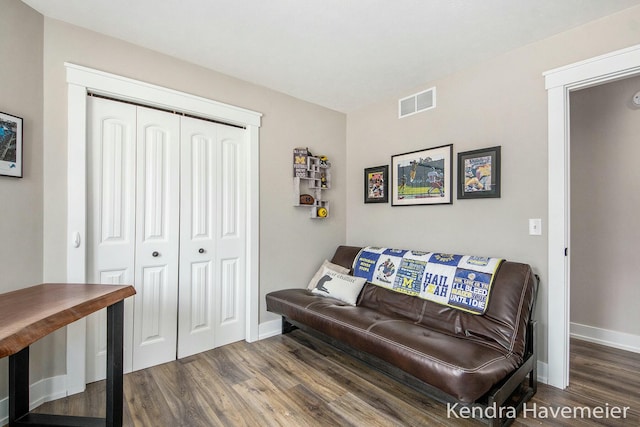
{"x": 155, "y": 254}
{"x": 201, "y": 250}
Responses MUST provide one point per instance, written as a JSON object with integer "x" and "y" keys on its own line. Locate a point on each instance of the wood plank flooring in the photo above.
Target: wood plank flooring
{"x": 296, "y": 380}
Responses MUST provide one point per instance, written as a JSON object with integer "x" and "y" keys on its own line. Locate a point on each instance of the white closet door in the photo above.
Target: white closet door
{"x": 199, "y": 159}
{"x": 111, "y": 128}
{"x": 157, "y": 238}
{"x": 211, "y": 311}
{"x": 231, "y": 229}
{"x": 166, "y": 213}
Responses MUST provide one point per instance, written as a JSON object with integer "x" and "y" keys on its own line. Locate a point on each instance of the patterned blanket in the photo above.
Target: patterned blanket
{"x": 459, "y": 281}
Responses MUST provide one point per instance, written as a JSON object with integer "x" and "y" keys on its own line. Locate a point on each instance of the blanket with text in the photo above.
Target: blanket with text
{"x": 459, "y": 281}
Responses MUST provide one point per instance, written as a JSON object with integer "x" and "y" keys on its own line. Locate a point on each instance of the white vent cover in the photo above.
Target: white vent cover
{"x": 417, "y": 103}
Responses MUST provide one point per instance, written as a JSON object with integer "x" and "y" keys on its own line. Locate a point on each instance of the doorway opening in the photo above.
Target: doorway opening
{"x": 605, "y": 123}
{"x": 560, "y": 83}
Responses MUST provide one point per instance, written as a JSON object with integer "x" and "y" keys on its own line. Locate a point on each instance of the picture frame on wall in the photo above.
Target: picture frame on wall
{"x": 376, "y": 184}
{"x": 479, "y": 174}
{"x": 10, "y": 145}
{"x": 422, "y": 177}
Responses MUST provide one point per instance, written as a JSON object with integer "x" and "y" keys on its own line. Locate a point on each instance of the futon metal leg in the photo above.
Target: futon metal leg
{"x": 533, "y": 376}
{"x": 286, "y": 326}
{"x": 18, "y": 385}
{"x": 115, "y": 321}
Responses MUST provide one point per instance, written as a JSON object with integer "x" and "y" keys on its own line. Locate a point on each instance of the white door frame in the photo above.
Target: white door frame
{"x": 559, "y": 83}
{"x": 82, "y": 80}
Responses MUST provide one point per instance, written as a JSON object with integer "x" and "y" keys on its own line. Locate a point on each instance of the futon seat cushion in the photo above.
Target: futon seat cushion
{"x": 461, "y": 367}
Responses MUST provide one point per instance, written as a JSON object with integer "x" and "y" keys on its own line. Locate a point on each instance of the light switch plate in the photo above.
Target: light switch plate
{"x": 535, "y": 226}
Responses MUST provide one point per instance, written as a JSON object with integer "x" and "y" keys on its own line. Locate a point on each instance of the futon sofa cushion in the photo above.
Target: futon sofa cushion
{"x": 463, "y": 368}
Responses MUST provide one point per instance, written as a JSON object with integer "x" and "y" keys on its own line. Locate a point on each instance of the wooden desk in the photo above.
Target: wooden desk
{"x": 26, "y": 315}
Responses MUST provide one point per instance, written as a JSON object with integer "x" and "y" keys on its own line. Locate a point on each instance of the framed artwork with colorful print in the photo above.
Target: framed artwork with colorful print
{"x": 479, "y": 174}
{"x": 422, "y": 177}
{"x": 10, "y": 145}
{"x": 376, "y": 184}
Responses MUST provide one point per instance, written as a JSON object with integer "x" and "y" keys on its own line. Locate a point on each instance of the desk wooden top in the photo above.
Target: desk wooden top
{"x": 26, "y": 315}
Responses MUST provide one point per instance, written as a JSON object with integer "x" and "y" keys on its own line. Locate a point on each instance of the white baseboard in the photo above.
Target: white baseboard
{"x": 47, "y": 390}
{"x": 620, "y": 340}
{"x": 40, "y": 392}
{"x": 543, "y": 369}
{"x": 270, "y": 329}
{"x": 4, "y": 411}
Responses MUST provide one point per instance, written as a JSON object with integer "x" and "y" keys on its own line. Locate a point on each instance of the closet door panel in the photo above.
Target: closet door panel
{"x": 197, "y": 236}
{"x": 229, "y": 284}
{"x": 231, "y": 232}
{"x": 111, "y": 130}
{"x": 157, "y": 237}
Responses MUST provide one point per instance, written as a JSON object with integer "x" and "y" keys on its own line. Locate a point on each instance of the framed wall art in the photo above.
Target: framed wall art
{"x": 422, "y": 177}
{"x": 376, "y": 184}
{"x": 10, "y": 145}
{"x": 479, "y": 174}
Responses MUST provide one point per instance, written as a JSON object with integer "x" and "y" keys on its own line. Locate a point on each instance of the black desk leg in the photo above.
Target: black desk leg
{"x": 115, "y": 321}
{"x": 18, "y": 385}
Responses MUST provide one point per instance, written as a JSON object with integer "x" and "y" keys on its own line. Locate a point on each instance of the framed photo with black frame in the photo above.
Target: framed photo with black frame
{"x": 10, "y": 145}
{"x": 479, "y": 174}
{"x": 422, "y": 177}
{"x": 376, "y": 184}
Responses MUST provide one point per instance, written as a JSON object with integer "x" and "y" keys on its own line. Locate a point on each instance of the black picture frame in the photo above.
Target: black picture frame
{"x": 10, "y": 145}
{"x": 376, "y": 184}
{"x": 422, "y": 177}
{"x": 479, "y": 174}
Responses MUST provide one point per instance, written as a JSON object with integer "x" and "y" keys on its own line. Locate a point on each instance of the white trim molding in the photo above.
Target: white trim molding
{"x": 128, "y": 89}
{"x": 45, "y": 390}
{"x": 82, "y": 80}
{"x": 270, "y": 328}
{"x": 559, "y": 83}
{"x": 543, "y": 370}
{"x": 615, "y": 339}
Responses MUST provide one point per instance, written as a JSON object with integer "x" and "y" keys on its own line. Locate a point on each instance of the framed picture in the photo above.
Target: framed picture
{"x": 376, "y": 184}
{"x": 422, "y": 177}
{"x": 479, "y": 174}
{"x": 10, "y": 145}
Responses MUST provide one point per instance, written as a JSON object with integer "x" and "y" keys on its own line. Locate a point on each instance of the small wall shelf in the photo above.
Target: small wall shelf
{"x": 311, "y": 176}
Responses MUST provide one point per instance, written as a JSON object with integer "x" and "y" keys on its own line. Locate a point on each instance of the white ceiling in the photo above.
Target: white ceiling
{"x": 342, "y": 54}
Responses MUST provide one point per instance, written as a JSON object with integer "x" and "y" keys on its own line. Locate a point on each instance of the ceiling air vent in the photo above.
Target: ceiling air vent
{"x": 417, "y": 103}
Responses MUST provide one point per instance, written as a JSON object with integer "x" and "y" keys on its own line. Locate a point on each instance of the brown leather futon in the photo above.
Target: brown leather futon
{"x": 458, "y": 356}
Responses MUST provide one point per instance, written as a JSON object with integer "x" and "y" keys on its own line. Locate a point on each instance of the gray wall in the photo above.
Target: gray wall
{"x": 605, "y": 201}
{"x": 21, "y": 95}
{"x": 21, "y": 40}
{"x": 503, "y": 102}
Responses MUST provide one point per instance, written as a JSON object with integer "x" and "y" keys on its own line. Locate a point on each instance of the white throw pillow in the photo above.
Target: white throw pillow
{"x": 319, "y": 273}
{"x": 340, "y": 286}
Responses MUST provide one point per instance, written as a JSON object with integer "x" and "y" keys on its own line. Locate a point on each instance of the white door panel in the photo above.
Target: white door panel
{"x": 212, "y": 237}
{"x": 157, "y": 237}
{"x": 230, "y": 244}
{"x": 198, "y": 220}
{"x": 110, "y": 217}
{"x": 112, "y": 185}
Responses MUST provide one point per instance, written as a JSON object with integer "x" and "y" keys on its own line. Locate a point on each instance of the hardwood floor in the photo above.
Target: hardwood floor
{"x": 296, "y": 380}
